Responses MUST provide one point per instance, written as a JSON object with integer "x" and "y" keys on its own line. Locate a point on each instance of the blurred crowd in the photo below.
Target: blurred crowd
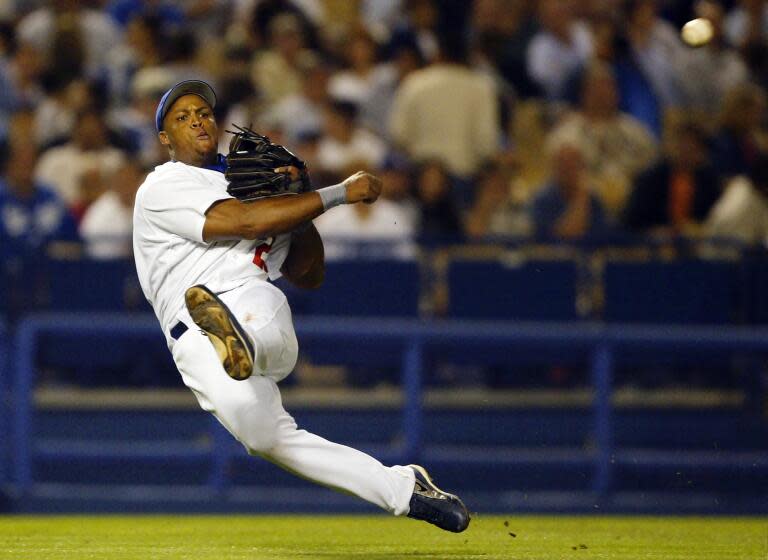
{"x": 545, "y": 119}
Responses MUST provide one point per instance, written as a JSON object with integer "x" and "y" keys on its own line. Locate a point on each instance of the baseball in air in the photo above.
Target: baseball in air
{"x": 697, "y": 32}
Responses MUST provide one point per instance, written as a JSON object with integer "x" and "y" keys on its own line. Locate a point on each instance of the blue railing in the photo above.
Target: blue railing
{"x": 414, "y": 342}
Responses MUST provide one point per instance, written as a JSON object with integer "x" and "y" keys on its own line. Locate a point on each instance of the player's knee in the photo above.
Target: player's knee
{"x": 279, "y": 351}
{"x": 261, "y": 441}
{"x": 255, "y": 428}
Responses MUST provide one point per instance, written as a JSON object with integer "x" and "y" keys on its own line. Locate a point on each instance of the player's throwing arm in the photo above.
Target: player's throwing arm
{"x": 273, "y": 193}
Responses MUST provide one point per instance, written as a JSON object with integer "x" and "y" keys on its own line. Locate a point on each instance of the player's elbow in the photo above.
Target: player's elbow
{"x": 315, "y": 279}
{"x": 232, "y": 219}
{"x": 249, "y": 228}
{"x": 252, "y": 231}
{"x": 251, "y": 221}
{"x": 312, "y": 279}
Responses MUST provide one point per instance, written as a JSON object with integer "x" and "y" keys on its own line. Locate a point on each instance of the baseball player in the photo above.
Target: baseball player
{"x": 204, "y": 259}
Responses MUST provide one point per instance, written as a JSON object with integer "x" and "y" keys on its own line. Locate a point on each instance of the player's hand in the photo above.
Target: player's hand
{"x": 294, "y": 172}
{"x": 362, "y": 187}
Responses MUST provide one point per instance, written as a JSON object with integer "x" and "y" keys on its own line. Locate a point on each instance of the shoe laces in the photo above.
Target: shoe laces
{"x": 423, "y": 490}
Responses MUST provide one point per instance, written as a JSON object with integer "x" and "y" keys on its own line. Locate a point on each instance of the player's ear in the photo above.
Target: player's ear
{"x": 163, "y": 136}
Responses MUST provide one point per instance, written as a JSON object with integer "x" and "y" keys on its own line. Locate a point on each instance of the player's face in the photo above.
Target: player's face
{"x": 190, "y": 130}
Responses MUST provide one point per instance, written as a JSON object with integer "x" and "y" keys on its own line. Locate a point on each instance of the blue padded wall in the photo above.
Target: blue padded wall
{"x": 671, "y": 292}
{"x": 532, "y": 290}
{"x": 381, "y": 288}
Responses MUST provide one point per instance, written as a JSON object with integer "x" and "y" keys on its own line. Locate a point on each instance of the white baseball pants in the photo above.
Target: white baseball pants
{"x": 252, "y": 410}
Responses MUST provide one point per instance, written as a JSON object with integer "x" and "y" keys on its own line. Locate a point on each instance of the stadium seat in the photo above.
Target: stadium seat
{"x": 88, "y": 285}
{"x": 685, "y": 291}
{"x": 531, "y": 290}
{"x": 85, "y": 285}
{"x": 381, "y": 288}
{"x": 755, "y": 276}
{"x": 20, "y": 287}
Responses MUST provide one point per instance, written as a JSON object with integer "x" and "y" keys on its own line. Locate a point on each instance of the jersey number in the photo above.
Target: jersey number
{"x": 261, "y": 254}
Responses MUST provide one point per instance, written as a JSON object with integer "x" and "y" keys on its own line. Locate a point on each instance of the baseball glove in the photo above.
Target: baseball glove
{"x": 251, "y": 165}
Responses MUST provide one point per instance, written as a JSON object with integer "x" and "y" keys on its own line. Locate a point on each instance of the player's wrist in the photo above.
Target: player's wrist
{"x": 334, "y": 195}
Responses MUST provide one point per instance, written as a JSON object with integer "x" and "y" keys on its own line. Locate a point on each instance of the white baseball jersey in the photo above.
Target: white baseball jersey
{"x": 168, "y": 245}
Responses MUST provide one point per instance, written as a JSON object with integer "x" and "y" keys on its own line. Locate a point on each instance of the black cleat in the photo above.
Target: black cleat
{"x": 432, "y": 505}
{"x": 225, "y": 333}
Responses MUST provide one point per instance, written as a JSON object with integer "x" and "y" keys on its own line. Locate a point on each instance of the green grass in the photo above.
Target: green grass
{"x": 379, "y": 537}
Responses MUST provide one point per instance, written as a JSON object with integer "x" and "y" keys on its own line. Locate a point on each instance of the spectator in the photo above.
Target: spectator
{"x": 708, "y": 72}
{"x": 10, "y": 11}
{"x": 630, "y": 40}
{"x": 637, "y": 95}
{"x": 355, "y": 83}
{"x": 615, "y": 146}
{"x": 63, "y": 167}
{"x": 140, "y": 49}
{"x": 180, "y": 57}
{"x": 19, "y": 80}
{"x": 135, "y": 121}
{"x": 495, "y": 211}
{"x": 679, "y": 190}
{"x": 656, "y": 47}
{"x": 55, "y": 115}
{"x": 560, "y": 47}
{"x": 74, "y": 40}
{"x": 344, "y": 143}
{"x": 397, "y": 187}
{"x": 460, "y": 129}
{"x": 166, "y": 12}
{"x": 384, "y": 222}
{"x": 419, "y": 28}
{"x": 747, "y": 23}
{"x": 566, "y": 207}
{"x": 439, "y": 220}
{"x": 276, "y": 72}
{"x": 32, "y": 216}
{"x": 21, "y": 128}
{"x": 237, "y": 101}
{"x": 107, "y": 225}
{"x": 381, "y": 17}
{"x": 307, "y": 148}
{"x": 502, "y": 31}
{"x": 208, "y": 18}
{"x": 302, "y": 113}
{"x": 740, "y": 136}
{"x": 91, "y": 185}
{"x": 263, "y": 15}
{"x": 645, "y": 56}
{"x": 528, "y": 129}
{"x": 742, "y": 211}
{"x": 375, "y": 112}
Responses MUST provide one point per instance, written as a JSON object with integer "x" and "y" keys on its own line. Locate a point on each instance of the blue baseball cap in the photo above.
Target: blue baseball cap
{"x": 196, "y": 87}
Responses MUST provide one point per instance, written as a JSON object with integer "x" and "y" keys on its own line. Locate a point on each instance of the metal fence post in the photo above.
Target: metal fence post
{"x": 602, "y": 374}
{"x": 22, "y": 396}
{"x": 221, "y": 445}
{"x": 413, "y": 365}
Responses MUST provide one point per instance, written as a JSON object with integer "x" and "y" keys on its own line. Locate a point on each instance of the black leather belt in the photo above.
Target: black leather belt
{"x": 178, "y": 330}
